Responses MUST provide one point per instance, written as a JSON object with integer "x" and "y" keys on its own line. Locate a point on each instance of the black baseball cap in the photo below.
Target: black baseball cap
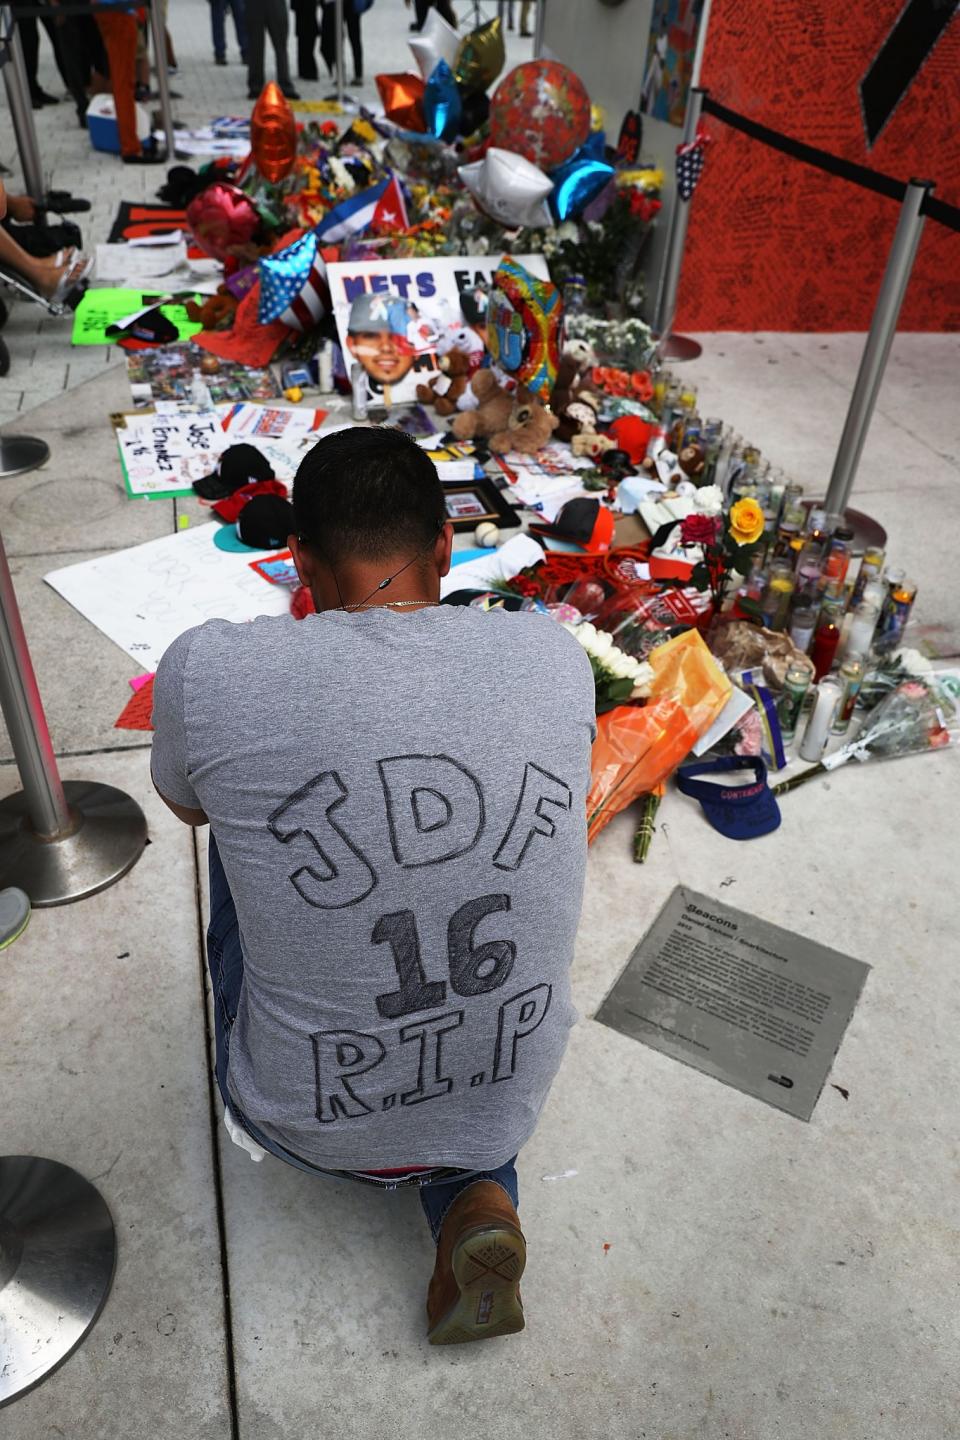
{"x": 238, "y": 466}
{"x": 265, "y": 522}
{"x": 584, "y": 521}
{"x": 741, "y": 812}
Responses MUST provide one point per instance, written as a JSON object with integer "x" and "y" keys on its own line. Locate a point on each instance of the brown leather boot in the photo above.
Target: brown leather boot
{"x": 474, "y": 1292}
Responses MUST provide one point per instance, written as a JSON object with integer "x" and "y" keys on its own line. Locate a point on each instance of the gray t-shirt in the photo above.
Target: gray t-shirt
{"x": 399, "y": 805}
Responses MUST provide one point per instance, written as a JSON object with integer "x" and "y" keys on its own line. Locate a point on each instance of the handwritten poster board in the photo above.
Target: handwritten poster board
{"x": 144, "y": 597}
{"x": 161, "y": 455}
{"x": 752, "y": 1004}
{"x": 101, "y": 308}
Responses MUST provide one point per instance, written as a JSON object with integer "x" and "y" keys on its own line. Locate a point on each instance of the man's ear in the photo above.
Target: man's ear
{"x": 302, "y": 559}
{"x": 443, "y": 550}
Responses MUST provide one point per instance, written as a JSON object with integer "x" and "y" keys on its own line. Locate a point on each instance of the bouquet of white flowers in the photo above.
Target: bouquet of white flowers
{"x": 618, "y": 677}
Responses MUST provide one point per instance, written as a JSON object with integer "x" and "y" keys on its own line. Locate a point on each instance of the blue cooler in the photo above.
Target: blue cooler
{"x": 102, "y": 124}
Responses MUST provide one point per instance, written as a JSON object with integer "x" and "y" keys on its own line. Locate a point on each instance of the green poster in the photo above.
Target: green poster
{"x": 99, "y": 309}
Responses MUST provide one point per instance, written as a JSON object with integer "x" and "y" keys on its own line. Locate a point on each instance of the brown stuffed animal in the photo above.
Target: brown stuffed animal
{"x": 509, "y": 422}
{"x": 574, "y": 405}
{"x": 446, "y": 390}
{"x": 216, "y": 312}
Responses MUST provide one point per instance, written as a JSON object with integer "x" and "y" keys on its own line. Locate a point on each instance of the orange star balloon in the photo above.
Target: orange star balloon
{"x": 402, "y": 97}
{"x": 273, "y": 134}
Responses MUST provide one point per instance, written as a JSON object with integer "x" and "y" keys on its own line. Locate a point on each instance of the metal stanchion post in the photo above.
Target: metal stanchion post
{"x": 163, "y": 74}
{"x": 338, "y": 94}
{"x": 669, "y": 346}
{"x": 339, "y": 52}
{"x": 58, "y": 842}
{"x": 874, "y": 360}
{"x": 21, "y": 111}
{"x": 538, "y": 23}
{"x": 58, "y": 1252}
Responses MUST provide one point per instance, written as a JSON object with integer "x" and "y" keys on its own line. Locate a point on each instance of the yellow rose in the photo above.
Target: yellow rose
{"x": 746, "y": 522}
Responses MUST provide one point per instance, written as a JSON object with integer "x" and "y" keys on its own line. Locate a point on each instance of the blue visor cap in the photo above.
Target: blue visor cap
{"x": 740, "y": 811}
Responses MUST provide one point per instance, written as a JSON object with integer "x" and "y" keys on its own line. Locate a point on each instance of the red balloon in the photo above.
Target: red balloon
{"x": 541, "y": 110}
{"x": 273, "y": 134}
{"x": 402, "y": 97}
{"x": 222, "y": 217}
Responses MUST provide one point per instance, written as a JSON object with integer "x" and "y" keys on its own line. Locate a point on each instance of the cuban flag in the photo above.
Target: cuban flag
{"x": 381, "y": 205}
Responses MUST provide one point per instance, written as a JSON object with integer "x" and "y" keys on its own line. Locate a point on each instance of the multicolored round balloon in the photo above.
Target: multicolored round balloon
{"x": 523, "y": 327}
{"x": 542, "y": 111}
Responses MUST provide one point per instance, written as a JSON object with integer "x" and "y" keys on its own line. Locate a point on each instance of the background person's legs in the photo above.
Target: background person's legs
{"x": 352, "y": 21}
{"x": 278, "y": 28}
{"x": 120, "y": 34}
{"x": 256, "y": 25}
{"x": 218, "y": 30}
{"x": 239, "y": 12}
{"x": 305, "y": 12}
{"x": 328, "y": 36}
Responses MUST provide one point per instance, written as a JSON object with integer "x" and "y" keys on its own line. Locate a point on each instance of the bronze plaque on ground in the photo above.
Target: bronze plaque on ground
{"x": 753, "y": 1005}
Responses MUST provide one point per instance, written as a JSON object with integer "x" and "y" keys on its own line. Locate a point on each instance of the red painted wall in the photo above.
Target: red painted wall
{"x": 776, "y": 245}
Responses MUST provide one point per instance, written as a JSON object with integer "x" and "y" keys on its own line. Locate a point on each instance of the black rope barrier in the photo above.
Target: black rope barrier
{"x": 875, "y": 180}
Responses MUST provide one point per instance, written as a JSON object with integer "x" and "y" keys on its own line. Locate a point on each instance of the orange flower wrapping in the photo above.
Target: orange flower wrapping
{"x": 684, "y": 669}
{"x": 635, "y": 750}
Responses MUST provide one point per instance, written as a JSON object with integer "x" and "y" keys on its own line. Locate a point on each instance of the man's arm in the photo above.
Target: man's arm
{"x": 169, "y": 765}
{"x": 183, "y": 812}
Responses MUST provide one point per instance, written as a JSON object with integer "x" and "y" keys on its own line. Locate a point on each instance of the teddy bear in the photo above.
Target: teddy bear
{"x": 216, "y": 312}
{"x": 575, "y": 406}
{"x": 591, "y": 444}
{"x": 450, "y": 390}
{"x": 507, "y": 422}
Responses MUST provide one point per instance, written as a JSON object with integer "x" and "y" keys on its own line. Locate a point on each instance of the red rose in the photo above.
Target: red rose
{"x": 698, "y": 530}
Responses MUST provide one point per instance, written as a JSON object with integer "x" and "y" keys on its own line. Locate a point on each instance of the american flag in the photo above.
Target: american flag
{"x": 690, "y": 159}
{"x": 293, "y": 285}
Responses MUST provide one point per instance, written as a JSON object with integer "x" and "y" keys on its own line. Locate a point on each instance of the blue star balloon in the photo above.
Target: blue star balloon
{"x": 441, "y": 102}
{"x": 578, "y": 180}
{"x": 283, "y": 276}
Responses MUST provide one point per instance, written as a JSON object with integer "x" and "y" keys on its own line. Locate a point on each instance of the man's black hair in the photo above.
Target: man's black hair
{"x": 367, "y": 492}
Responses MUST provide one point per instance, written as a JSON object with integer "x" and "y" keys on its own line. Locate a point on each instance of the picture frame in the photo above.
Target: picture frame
{"x": 470, "y": 502}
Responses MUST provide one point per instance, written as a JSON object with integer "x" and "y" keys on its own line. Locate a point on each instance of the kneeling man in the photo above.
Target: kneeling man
{"x": 396, "y": 795}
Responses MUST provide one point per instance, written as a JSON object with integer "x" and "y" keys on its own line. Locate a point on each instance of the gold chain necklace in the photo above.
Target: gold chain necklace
{"x": 351, "y": 608}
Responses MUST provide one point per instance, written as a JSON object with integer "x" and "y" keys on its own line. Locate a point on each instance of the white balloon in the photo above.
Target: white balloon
{"x": 509, "y": 188}
{"x": 436, "y": 41}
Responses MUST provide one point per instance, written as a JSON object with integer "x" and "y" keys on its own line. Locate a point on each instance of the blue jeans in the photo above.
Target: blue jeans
{"x": 225, "y": 959}
{"x": 218, "y": 20}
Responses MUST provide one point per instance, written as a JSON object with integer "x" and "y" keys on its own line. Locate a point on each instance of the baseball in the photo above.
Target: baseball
{"x": 486, "y": 534}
